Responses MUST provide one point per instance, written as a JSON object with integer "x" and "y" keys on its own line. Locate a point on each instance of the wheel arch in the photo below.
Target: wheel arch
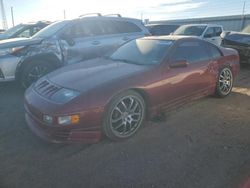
{"x": 41, "y": 57}
{"x": 139, "y": 91}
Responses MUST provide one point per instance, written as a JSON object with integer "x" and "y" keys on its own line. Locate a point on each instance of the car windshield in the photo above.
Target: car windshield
{"x": 246, "y": 29}
{"x": 50, "y": 30}
{"x": 142, "y": 51}
{"x": 15, "y": 29}
{"x": 190, "y": 30}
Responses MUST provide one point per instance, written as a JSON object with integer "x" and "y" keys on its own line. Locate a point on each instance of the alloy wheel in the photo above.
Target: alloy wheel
{"x": 225, "y": 81}
{"x": 126, "y": 116}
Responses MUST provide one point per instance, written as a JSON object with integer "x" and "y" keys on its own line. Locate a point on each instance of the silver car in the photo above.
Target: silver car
{"x": 65, "y": 42}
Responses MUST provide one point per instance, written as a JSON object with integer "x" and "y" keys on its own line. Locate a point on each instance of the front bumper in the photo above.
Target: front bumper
{"x": 62, "y": 134}
{"x": 8, "y": 65}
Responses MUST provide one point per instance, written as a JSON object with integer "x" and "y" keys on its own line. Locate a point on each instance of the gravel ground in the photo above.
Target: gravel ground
{"x": 204, "y": 144}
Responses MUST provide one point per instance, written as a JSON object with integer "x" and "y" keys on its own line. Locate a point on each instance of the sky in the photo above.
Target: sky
{"x": 33, "y": 10}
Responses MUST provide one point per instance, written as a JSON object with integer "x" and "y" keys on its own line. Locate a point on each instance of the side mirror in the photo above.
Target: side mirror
{"x": 68, "y": 39}
{"x": 179, "y": 63}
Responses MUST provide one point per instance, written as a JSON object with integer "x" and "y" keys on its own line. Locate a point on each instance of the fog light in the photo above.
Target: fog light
{"x": 48, "y": 119}
{"x": 67, "y": 120}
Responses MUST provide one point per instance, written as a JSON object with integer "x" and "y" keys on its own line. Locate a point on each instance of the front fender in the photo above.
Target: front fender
{"x": 47, "y": 51}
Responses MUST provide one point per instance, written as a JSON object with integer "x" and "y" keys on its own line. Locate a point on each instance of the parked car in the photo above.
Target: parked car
{"x": 65, "y": 42}
{"x": 161, "y": 29}
{"x": 239, "y": 41}
{"x": 24, "y": 30}
{"x": 113, "y": 95}
{"x": 2, "y": 31}
{"x": 209, "y": 32}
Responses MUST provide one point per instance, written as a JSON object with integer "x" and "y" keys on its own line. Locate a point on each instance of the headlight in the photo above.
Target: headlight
{"x": 64, "y": 95}
{"x": 68, "y": 120}
{"x": 7, "y": 51}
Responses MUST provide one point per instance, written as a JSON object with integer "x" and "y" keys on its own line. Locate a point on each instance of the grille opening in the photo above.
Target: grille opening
{"x": 46, "y": 88}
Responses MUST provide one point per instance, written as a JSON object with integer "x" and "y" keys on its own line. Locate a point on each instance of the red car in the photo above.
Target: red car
{"x": 113, "y": 95}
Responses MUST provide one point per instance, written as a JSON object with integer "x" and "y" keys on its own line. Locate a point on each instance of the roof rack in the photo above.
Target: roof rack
{"x": 98, "y": 14}
{"x": 118, "y": 15}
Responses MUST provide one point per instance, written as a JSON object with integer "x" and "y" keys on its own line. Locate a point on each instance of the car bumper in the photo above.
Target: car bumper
{"x": 62, "y": 134}
{"x": 88, "y": 130}
{"x": 8, "y": 65}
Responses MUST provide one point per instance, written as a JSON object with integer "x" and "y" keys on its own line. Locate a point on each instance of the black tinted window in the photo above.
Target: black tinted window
{"x": 108, "y": 27}
{"x": 193, "y": 52}
{"x": 85, "y": 29}
{"x": 126, "y": 27}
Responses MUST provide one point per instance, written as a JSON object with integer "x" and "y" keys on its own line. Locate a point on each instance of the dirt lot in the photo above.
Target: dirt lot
{"x": 204, "y": 144}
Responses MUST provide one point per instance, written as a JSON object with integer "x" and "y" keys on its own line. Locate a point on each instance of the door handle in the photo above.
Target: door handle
{"x": 96, "y": 42}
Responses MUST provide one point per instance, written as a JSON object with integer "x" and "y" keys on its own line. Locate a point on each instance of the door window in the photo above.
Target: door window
{"x": 84, "y": 29}
{"x": 193, "y": 52}
{"x": 218, "y": 31}
{"x": 209, "y": 33}
{"x": 126, "y": 27}
{"x": 109, "y": 27}
{"x": 26, "y": 33}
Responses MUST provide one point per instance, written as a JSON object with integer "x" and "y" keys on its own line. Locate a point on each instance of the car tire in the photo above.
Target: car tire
{"x": 124, "y": 116}
{"x": 225, "y": 82}
{"x": 34, "y": 70}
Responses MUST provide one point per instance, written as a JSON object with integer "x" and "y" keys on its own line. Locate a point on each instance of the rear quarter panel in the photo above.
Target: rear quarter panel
{"x": 231, "y": 59}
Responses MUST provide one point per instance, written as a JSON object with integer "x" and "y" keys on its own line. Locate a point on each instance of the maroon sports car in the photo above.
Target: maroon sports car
{"x": 113, "y": 95}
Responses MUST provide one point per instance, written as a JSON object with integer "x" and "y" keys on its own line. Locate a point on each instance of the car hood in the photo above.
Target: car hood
{"x": 15, "y": 42}
{"x": 238, "y": 37}
{"x": 92, "y": 73}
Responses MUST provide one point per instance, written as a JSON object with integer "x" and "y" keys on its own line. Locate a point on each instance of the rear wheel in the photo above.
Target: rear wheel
{"x": 34, "y": 70}
{"x": 124, "y": 116}
{"x": 225, "y": 82}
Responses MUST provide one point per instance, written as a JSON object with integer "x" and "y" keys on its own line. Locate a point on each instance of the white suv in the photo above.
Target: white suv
{"x": 209, "y": 32}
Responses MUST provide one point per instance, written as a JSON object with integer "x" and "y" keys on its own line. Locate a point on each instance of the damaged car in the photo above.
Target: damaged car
{"x": 65, "y": 42}
{"x": 239, "y": 41}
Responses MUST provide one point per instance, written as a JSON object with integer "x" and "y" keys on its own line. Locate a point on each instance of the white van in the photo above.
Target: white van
{"x": 209, "y": 32}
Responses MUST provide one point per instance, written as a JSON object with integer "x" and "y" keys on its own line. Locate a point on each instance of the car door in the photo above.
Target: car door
{"x": 183, "y": 81}
{"x": 81, "y": 41}
{"x": 212, "y": 35}
{"x": 112, "y": 38}
{"x": 116, "y": 33}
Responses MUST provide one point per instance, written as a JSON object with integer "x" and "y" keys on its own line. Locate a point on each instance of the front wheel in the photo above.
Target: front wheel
{"x": 33, "y": 71}
{"x": 225, "y": 82}
{"x": 124, "y": 116}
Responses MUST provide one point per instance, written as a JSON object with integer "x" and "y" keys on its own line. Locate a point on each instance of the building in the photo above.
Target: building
{"x": 230, "y": 23}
